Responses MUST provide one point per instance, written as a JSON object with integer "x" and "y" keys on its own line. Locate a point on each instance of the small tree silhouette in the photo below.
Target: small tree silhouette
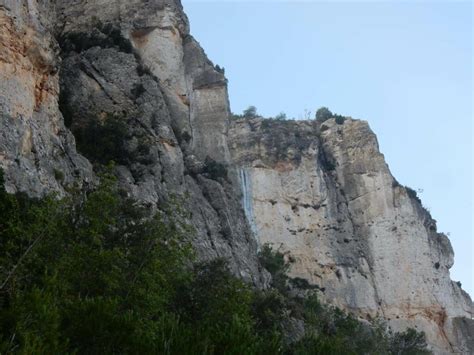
{"x": 281, "y": 116}
{"x": 250, "y": 112}
{"x": 323, "y": 114}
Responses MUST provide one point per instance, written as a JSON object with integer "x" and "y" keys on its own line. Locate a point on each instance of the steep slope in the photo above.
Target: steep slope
{"x": 36, "y": 150}
{"x": 133, "y": 68}
{"x": 129, "y": 75}
{"x": 324, "y": 196}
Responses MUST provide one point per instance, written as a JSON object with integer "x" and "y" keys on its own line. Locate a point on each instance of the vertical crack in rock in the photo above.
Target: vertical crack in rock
{"x": 323, "y": 195}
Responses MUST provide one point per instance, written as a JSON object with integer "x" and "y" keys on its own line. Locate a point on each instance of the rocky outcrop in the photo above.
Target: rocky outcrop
{"x": 158, "y": 32}
{"x": 129, "y": 75}
{"x": 323, "y": 195}
{"x": 134, "y": 65}
{"x": 140, "y": 64}
{"x": 36, "y": 150}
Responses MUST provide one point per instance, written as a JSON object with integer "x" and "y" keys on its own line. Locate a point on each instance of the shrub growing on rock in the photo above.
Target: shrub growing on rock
{"x": 281, "y": 116}
{"x": 97, "y": 273}
{"x": 103, "y": 141}
{"x": 340, "y": 119}
{"x": 214, "y": 170}
{"x": 412, "y": 194}
{"x": 323, "y": 114}
{"x": 250, "y": 112}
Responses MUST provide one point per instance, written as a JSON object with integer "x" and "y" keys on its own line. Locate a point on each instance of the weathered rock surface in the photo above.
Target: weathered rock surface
{"x": 36, "y": 150}
{"x": 135, "y": 62}
{"x": 324, "y": 196}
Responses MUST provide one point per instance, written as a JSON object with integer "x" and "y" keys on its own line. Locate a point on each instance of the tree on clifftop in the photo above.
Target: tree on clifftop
{"x": 323, "y": 114}
{"x": 250, "y": 112}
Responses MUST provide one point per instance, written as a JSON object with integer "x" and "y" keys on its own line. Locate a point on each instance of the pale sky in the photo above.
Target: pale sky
{"x": 405, "y": 67}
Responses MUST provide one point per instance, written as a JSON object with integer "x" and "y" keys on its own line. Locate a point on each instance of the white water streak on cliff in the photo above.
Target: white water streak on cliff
{"x": 247, "y": 199}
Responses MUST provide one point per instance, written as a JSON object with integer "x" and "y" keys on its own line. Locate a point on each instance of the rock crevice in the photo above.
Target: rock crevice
{"x": 370, "y": 244}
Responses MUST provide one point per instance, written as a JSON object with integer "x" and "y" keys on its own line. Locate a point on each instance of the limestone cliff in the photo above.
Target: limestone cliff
{"x": 136, "y": 62}
{"x": 34, "y": 143}
{"x": 323, "y": 195}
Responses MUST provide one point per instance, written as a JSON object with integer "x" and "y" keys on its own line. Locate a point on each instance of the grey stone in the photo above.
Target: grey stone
{"x": 324, "y": 196}
{"x": 320, "y": 193}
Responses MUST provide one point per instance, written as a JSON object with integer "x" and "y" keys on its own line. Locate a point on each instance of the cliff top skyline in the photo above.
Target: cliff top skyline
{"x": 406, "y": 68}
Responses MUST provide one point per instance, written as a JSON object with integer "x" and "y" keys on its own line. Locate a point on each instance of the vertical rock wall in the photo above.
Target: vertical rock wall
{"x": 133, "y": 61}
{"x": 325, "y": 197}
{"x": 136, "y": 60}
{"x": 322, "y": 195}
{"x": 36, "y": 150}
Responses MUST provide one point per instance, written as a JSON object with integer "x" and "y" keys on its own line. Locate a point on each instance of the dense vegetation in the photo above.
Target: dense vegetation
{"x": 97, "y": 274}
{"x": 103, "y": 141}
{"x": 324, "y": 114}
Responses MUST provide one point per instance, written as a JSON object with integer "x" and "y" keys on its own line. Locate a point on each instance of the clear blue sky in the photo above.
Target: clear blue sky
{"x": 406, "y": 67}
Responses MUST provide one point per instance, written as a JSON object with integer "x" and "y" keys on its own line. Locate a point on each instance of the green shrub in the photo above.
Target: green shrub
{"x": 215, "y": 170}
{"x": 340, "y": 119}
{"x": 412, "y": 194}
{"x": 58, "y": 175}
{"x": 326, "y": 162}
{"x": 103, "y": 141}
{"x": 99, "y": 274}
{"x": 409, "y": 342}
{"x": 250, "y": 112}
{"x": 332, "y": 331}
{"x": 104, "y": 36}
{"x": 219, "y": 69}
{"x": 276, "y": 265}
{"x": 302, "y": 284}
{"x": 323, "y": 114}
{"x": 214, "y": 296}
{"x": 281, "y": 116}
{"x": 86, "y": 274}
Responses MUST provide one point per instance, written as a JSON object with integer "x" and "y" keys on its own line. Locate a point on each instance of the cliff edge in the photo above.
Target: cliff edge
{"x": 82, "y": 83}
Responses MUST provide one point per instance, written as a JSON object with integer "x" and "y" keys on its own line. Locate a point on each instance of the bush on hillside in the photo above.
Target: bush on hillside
{"x": 412, "y": 194}
{"x": 97, "y": 273}
{"x": 250, "y": 112}
{"x": 281, "y": 116}
{"x": 214, "y": 170}
{"x": 323, "y": 114}
{"x": 103, "y": 141}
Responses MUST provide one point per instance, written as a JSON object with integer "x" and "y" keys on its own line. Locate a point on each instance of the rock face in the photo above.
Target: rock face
{"x": 134, "y": 64}
{"x": 324, "y": 196}
{"x": 129, "y": 74}
{"x": 36, "y": 150}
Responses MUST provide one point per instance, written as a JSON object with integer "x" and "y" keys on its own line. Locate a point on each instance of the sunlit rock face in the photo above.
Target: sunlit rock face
{"x": 36, "y": 150}
{"x": 158, "y": 30}
{"x": 324, "y": 196}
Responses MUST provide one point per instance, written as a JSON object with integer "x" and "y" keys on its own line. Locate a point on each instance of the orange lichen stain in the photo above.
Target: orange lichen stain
{"x": 169, "y": 145}
{"x": 184, "y": 99}
{"x": 437, "y": 314}
{"x": 282, "y": 167}
{"x": 40, "y": 91}
{"x": 140, "y": 37}
{"x": 26, "y": 58}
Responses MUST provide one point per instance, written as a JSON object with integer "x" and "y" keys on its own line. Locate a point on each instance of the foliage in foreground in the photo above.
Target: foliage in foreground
{"x": 96, "y": 274}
